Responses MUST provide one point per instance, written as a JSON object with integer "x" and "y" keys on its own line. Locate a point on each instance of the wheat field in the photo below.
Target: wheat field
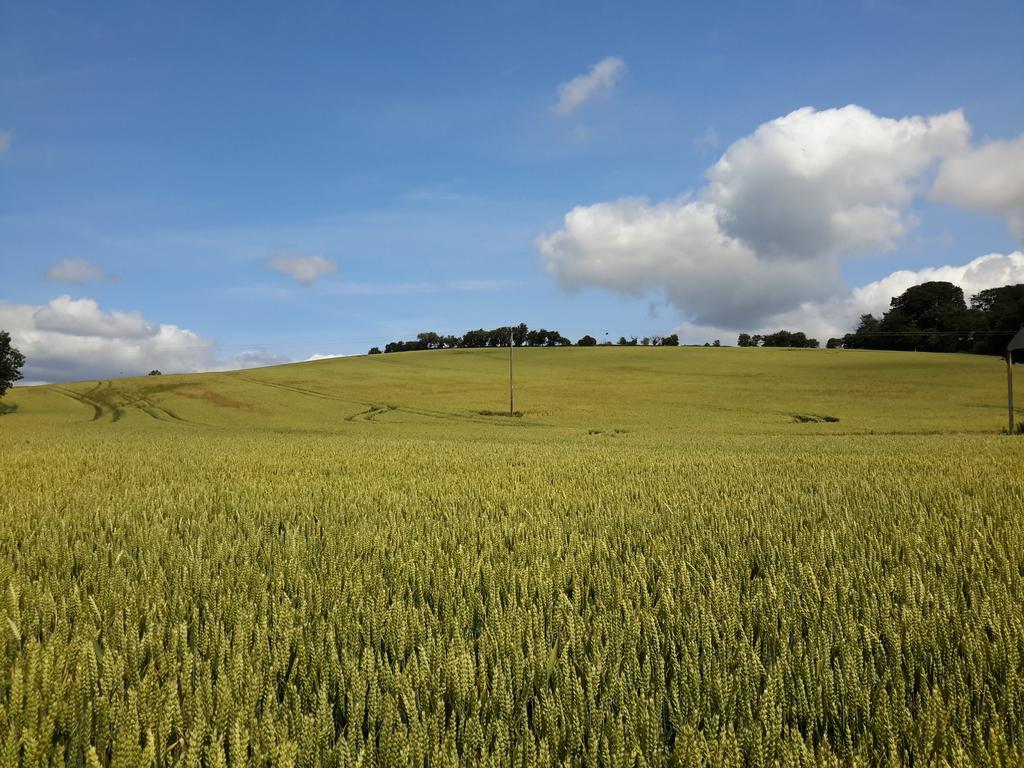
{"x": 671, "y": 557}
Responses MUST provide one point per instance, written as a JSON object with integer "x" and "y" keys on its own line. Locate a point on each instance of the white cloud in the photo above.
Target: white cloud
{"x": 71, "y": 339}
{"x": 77, "y": 271}
{"x": 74, "y": 339}
{"x": 601, "y": 78}
{"x": 989, "y": 177}
{"x": 304, "y": 268}
{"x": 83, "y": 317}
{"x": 633, "y": 247}
{"x": 780, "y": 209}
{"x": 6, "y": 137}
{"x": 833, "y": 181}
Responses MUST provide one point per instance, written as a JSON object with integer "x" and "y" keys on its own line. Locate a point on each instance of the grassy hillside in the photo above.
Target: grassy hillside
{"x": 561, "y": 392}
{"x": 670, "y": 558}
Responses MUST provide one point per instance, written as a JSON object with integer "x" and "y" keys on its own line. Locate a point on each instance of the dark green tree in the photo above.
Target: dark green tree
{"x": 932, "y": 317}
{"x": 11, "y": 361}
{"x": 429, "y": 340}
{"x": 519, "y": 334}
{"x": 587, "y": 341}
{"x": 999, "y": 313}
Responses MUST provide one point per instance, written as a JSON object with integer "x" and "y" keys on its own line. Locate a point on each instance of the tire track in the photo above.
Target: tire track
{"x": 97, "y": 409}
{"x": 428, "y": 413}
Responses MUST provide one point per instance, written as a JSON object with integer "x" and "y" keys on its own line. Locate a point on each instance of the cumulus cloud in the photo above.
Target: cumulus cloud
{"x": 303, "y": 268}
{"x": 77, "y": 271}
{"x": 989, "y": 177}
{"x": 632, "y": 247}
{"x": 781, "y": 207}
{"x": 83, "y": 317}
{"x": 833, "y": 181}
{"x": 601, "y": 78}
{"x": 74, "y": 339}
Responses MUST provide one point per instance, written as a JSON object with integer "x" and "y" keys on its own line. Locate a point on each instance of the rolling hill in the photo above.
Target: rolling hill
{"x": 560, "y": 393}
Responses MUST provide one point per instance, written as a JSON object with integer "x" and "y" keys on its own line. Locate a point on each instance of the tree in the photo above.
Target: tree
{"x": 587, "y": 341}
{"x": 744, "y": 340}
{"x": 11, "y": 361}
{"x": 155, "y": 372}
{"x": 999, "y": 312}
{"x": 716, "y": 343}
{"x": 796, "y": 339}
{"x": 864, "y": 337}
{"x": 374, "y": 351}
{"x": 931, "y": 317}
{"x": 429, "y": 340}
{"x": 670, "y": 341}
{"x": 519, "y": 334}
{"x": 646, "y": 341}
{"x": 477, "y": 338}
{"x": 834, "y": 343}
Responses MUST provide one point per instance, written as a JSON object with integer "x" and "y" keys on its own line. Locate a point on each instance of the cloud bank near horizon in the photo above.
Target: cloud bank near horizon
{"x": 75, "y": 340}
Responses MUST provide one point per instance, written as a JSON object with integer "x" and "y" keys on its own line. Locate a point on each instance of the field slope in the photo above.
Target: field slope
{"x": 669, "y": 557}
{"x": 560, "y": 391}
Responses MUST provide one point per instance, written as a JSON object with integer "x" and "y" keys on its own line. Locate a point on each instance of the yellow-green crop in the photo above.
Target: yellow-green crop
{"x": 672, "y": 557}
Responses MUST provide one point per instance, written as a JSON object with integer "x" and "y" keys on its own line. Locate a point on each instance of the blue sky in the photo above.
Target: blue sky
{"x": 175, "y": 149}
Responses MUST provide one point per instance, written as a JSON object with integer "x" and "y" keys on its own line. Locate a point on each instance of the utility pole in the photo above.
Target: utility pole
{"x": 511, "y": 343}
{"x": 1016, "y": 345}
{"x": 1009, "y": 388}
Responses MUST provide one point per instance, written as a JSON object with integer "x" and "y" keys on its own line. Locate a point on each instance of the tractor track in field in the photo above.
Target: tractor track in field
{"x": 371, "y": 413}
{"x": 373, "y": 410}
{"x": 96, "y": 408}
{"x": 101, "y": 398}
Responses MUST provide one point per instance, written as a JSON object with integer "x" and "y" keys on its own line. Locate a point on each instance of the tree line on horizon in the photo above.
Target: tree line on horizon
{"x": 518, "y": 335}
{"x": 930, "y": 317}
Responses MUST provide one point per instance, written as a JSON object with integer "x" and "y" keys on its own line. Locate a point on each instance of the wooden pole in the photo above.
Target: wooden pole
{"x": 511, "y": 343}
{"x": 1009, "y": 387}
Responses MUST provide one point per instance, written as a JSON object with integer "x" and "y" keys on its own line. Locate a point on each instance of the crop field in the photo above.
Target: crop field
{"x": 670, "y": 557}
